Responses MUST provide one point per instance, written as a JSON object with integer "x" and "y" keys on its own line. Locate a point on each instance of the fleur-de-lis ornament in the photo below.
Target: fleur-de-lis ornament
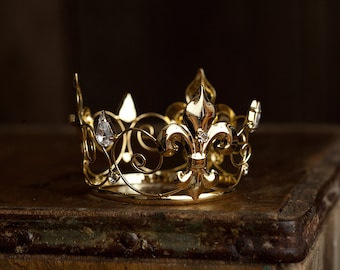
{"x": 198, "y": 134}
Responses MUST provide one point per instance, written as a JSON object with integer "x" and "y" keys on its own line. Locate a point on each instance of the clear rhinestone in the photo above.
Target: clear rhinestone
{"x": 254, "y": 115}
{"x": 104, "y": 132}
{"x": 245, "y": 169}
{"x": 113, "y": 177}
{"x": 202, "y": 136}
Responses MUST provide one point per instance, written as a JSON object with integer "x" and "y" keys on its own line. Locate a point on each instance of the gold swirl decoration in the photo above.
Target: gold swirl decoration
{"x": 195, "y": 152}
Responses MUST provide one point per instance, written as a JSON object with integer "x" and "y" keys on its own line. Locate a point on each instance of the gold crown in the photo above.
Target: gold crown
{"x": 195, "y": 152}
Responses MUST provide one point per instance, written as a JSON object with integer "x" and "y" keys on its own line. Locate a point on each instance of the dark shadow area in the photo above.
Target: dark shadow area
{"x": 283, "y": 53}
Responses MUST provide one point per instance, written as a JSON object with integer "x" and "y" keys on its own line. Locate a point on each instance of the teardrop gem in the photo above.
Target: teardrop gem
{"x": 104, "y": 132}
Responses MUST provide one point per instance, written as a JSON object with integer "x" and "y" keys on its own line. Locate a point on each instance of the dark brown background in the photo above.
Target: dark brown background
{"x": 284, "y": 53}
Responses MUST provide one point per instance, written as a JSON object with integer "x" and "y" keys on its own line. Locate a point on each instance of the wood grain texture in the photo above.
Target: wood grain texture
{"x": 274, "y": 216}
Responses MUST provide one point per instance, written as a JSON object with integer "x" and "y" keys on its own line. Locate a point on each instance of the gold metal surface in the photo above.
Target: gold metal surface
{"x": 197, "y": 150}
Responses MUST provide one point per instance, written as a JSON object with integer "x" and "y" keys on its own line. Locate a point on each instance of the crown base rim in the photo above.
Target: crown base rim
{"x": 116, "y": 193}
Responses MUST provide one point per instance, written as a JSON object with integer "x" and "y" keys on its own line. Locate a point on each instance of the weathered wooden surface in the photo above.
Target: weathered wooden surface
{"x": 274, "y": 216}
{"x": 324, "y": 254}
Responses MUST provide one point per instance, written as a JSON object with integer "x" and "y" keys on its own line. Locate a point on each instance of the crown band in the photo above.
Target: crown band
{"x": 196, "y": 151}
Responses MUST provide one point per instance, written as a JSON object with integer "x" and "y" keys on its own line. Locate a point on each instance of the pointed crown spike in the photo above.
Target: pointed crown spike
{"x": 193, "y": 87}
{"x": 127, "y": 111}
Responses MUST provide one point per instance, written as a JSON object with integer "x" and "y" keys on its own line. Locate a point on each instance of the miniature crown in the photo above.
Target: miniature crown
{"x": 196, "y": 151}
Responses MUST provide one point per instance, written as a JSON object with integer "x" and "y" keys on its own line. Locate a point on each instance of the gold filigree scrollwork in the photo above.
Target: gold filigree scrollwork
{"x": 208, "y": 142}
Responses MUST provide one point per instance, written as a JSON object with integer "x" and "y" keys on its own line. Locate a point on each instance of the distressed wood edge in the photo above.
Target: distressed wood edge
{"x": 315, "y": 203}
{"x": 246, "y": 243}
{"x": 323, "y": 255}
{"x": 47, "y": 262}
